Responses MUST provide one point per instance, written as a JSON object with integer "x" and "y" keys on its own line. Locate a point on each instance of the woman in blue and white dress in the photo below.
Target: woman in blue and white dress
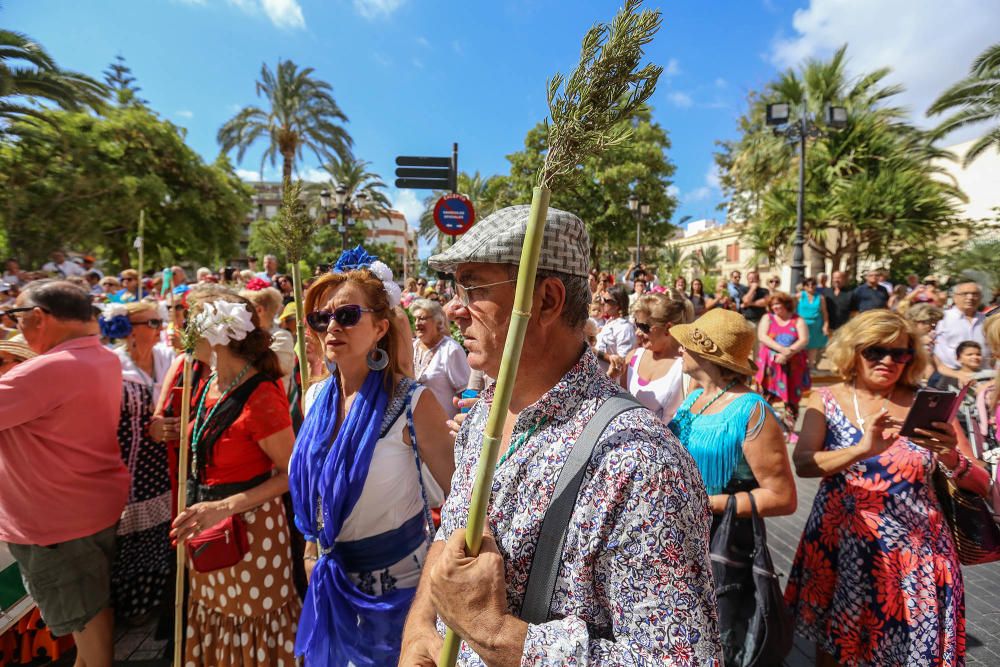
{"x": 372, "y": 456}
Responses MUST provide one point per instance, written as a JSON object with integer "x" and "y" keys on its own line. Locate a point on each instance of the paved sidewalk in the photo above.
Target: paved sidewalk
{"x": 982, "y": 587}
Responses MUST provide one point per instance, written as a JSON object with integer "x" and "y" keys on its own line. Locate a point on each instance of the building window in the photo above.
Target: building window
{"x": 733, "y": 252}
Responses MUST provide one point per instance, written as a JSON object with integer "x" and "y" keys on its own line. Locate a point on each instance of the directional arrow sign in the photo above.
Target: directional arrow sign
{"x": 420, "y": 161}
{"x": 421, "y": 172}
{"x": 424, "y": 183}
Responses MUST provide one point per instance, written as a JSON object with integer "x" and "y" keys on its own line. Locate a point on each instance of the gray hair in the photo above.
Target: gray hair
{"x": 267, "y": 257}
{"x": 432, "y": 308}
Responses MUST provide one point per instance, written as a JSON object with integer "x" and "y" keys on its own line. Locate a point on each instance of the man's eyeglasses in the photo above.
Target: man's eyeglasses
{"x": 12, "y": 312}
{"x": 975, "y": 294}
{"x": 876, "y": 353}
{"x": 462, "y": 291}
{"x": 773, "y": 281}
{"x": 345, "y": 316}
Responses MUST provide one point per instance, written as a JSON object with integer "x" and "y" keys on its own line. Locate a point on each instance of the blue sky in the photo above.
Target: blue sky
{"x": 415, "y": 75}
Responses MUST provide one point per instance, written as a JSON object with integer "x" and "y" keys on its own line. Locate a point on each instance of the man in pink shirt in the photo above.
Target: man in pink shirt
{"x": 64, "y": 484}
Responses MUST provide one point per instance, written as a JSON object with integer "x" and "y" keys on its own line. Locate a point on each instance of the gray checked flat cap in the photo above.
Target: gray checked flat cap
{"x": 498, "y": 238}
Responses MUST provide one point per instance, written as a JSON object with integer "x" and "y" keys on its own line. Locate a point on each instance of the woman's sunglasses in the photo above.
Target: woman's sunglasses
{"x": 876, "y": 353}
{"x": 345, "y": 316}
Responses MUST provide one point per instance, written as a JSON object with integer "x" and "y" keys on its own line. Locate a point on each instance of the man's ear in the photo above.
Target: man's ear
{"x": 550, "y": 294}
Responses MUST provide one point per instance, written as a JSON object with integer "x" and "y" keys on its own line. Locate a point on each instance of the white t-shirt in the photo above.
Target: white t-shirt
{"x": 67, "y": 268}
{"x": 617, "y": 337}
{"x": 445, "y": 370}
{"x": 283, "y": 345}
{"x": 663, "y": 395}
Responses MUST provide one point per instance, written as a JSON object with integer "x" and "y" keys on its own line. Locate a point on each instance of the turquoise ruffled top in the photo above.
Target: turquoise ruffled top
{"x": 715, "y": 441}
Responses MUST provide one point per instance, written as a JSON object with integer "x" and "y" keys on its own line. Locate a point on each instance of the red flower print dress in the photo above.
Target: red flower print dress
{"x": 876, "y": 579}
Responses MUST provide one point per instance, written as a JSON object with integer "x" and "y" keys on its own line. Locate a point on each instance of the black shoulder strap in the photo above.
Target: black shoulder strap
{"x": 548, "y": 553}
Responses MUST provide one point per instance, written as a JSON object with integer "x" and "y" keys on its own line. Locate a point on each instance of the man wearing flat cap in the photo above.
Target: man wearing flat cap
{"x": 633, "y": 583}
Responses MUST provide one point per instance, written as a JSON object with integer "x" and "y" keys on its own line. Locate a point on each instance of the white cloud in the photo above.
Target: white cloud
{"x": 249, "y": 175}
{"x": 409, "y": 204}
{"x": 929, "y": 44}
{"x": 673, "y": 68}
{"x": 721, "y": 83}
{"x": 680, "y": 100}
{"x": 422, "y": 41}
{"x": 373, "y": 9}
{"x": 382, "y": 59}
{"x": 418, "y": 63}
{"x": 712, "y": 177}
{"x": 673, "y": 191}
{"x": 284, "y": 13}
{"x": 184, "y": 113}
{"x": 698, "y": 194}
{"x": 313, "y": 175}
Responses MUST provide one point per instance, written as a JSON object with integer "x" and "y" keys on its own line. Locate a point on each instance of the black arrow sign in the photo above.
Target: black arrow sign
{"x": 420, "y": 161}
{"x": 417, "y": 172}
{"x": 424, "y": 183}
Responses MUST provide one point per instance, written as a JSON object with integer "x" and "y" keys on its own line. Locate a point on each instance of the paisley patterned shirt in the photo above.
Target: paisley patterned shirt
{"x": 635, "y": 585}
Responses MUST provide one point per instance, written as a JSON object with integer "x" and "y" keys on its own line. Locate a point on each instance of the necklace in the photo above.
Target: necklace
{"x": 716, "y": 397}
{"x": 521, "y": 440}
{"x": 201, "y": 425}
{"x": 857, "y": 408}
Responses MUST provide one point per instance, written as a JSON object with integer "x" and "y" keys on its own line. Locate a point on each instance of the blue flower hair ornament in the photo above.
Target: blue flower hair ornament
{"x": 358, "y": 258}
{"x": 114, "y": 321}
{"x": 354, "y": 259}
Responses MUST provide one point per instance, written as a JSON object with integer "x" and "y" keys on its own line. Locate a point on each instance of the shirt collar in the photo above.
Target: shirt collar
{"x": 75, "y": 344}
{"x": 563, "y": 400}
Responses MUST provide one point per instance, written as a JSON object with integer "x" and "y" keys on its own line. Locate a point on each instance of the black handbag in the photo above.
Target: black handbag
{"x": 973, "y": 525}
{"x": 754, "y": 622}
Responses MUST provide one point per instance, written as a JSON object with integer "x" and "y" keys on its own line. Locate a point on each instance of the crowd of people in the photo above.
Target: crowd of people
{"x": 326, "y": 505}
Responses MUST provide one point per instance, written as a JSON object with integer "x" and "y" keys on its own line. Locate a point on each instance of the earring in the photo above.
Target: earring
{"x": 378, "y": 359}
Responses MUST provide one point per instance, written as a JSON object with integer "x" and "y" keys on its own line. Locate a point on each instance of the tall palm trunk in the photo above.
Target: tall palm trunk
{"x": 288, "y": 160}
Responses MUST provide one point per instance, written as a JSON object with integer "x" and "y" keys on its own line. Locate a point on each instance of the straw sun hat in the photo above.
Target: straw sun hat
{"x": 722, "y": 336}
{"x": 19, "y": 350}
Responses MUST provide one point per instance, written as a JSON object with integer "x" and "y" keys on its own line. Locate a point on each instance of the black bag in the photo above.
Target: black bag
{"x": 755, "y": 623}
{"x": 970, "y": 517}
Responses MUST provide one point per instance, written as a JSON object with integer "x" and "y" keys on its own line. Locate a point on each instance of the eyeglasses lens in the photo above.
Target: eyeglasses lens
{"x": 345, "y": 316}
{"x": 644, "y": 327}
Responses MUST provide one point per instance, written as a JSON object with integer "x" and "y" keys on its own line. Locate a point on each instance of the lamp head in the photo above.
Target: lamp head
{"x": 836, "y": 117}
{"x": 324, "y": 198}
{"x": 777, "y": 114}
{"x": 341, "y": 193}
{"x": 633, "y": 203}
{"x": 644, "y": 208}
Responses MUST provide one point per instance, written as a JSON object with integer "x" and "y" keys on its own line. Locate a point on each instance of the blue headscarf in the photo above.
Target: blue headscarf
{"x": 340, "y": 623}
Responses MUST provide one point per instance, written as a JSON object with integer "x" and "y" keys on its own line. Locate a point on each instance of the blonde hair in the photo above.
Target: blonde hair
{"x": 269, "y": 299}
{"x": 136, "y": 307}
{"x": 991, "y": 330}
{"x": 876, "y": 327}
{"x": 666, "y": 308}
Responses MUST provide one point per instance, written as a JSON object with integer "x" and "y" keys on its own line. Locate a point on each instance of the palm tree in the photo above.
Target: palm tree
{"x": 301, "y": 114}
{"x": 705, "y": 260}
{"x": 671, "y": 260}
{"x": 357, "y": 181}
{"x": 978, "y": 96}
{"x": 28, "y": 72}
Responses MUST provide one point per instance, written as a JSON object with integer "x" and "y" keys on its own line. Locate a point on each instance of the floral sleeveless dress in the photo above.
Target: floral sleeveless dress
{"x": 876, "y": 579}
{"x": 785, "y": 381}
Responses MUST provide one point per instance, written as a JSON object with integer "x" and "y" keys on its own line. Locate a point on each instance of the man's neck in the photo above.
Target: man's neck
{"x": 537, "y": 374}
{"x": 64, "y": 336}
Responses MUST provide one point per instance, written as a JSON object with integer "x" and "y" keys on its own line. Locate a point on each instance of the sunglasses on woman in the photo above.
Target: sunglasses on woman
{"x": 876, "y": 353}
{"x": 345, "y": 316}
{"x": 152, "y": 324}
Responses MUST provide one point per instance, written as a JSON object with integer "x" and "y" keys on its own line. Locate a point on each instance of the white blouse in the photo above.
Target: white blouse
{"x": 444, "y": 370}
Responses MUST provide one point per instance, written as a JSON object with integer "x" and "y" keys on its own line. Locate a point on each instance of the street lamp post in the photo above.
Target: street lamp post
{"x": 803, "y": 128}
{"x": 640, "y": 210}
{"x": 347, "y": 207}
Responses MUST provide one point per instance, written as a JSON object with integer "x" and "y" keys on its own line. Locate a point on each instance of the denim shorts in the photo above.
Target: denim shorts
{"x": 70, "y": 581}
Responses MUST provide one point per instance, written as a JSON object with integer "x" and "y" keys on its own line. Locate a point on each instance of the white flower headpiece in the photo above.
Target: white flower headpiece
{"x": 384, "y": 273}
{"x": 111, "y": 310}
{"x": 220, "y": 322}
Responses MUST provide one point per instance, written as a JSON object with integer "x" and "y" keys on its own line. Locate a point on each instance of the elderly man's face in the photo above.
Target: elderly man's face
{"x": 271, "y": 265}
{"x": 485, "y": 321}
{"x": 58, "y": 257}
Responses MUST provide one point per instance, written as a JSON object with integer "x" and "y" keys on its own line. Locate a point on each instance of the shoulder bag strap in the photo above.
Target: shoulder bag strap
{"x": 548, "y": 553}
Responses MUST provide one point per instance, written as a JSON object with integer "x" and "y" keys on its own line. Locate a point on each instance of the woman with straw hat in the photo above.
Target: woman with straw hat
{"x": 12, "y": 353}
{"x": 730, "y": 430}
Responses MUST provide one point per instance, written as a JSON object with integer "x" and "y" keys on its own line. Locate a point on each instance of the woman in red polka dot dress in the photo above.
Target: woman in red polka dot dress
{"x": 241, "y": 436}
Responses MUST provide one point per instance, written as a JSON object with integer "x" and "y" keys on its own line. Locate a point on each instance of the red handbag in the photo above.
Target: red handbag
{"x": 223, "y": 545}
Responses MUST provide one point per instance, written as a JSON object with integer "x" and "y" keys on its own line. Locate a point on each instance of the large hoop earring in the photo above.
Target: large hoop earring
{"x": 377, "y": 359}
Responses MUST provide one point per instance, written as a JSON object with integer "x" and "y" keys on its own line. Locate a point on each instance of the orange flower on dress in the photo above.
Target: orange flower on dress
{"x": 894, "y": 571}
{"x": 859, "y": 637}
{"x": 818, "y": 576}
{"x": 904, "y": 462}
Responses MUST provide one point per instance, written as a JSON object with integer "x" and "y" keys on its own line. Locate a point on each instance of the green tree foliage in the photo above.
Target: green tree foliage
{"x": 672, "y": 259}
{"x": 359, "y": 184}
{"x": 705, "y": 261}
{"x": 28, "y": 73}
{"x": 871, "y": 189}
{"x": 598, "y": 191}
{"x": 79, "y": 181}
{"x": 977, "y": 98}
{"x": 300, "y": 113}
